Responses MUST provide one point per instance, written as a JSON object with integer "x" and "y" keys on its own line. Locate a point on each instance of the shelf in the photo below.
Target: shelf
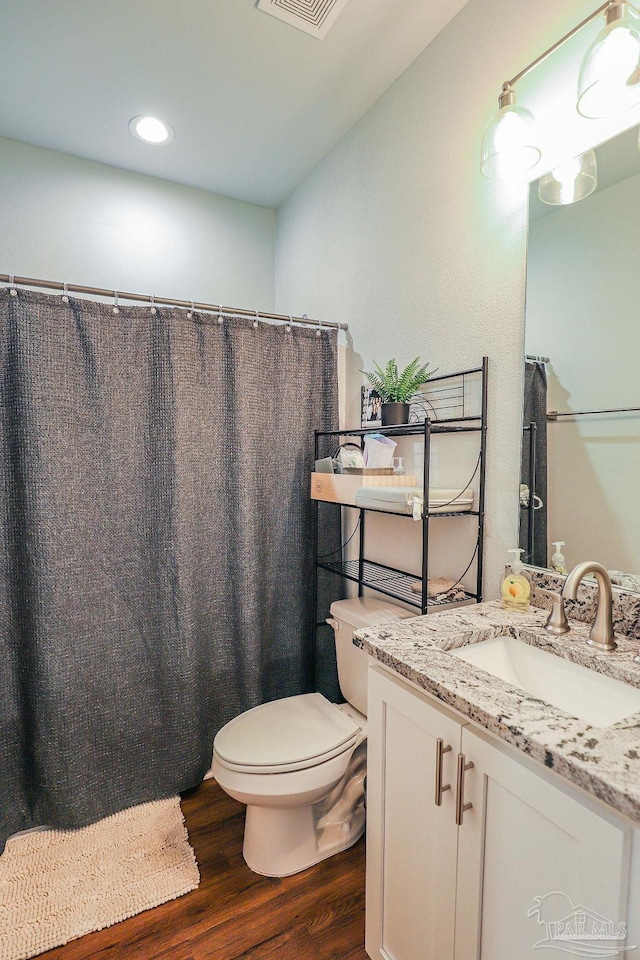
{"x": 454, "y": 404}
{"x": 391, "y": 513}
{"x": 411, "y": 429}
{"x": 393, "y": 583}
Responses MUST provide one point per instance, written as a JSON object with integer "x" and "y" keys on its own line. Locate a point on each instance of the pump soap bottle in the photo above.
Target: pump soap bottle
{"x": 557, "y": 560}
{"x": 516, "y": 586}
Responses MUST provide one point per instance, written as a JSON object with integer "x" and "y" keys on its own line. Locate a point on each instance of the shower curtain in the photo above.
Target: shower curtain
{"x": 156, "y": 535}
{"x": 535, "y": 410}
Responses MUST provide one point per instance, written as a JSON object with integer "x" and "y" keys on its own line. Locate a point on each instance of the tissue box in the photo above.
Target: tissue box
{"x": 340, "y": 488}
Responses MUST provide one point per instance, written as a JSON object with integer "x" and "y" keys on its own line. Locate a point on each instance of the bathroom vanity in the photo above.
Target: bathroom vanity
{"x": 498, "y": 822}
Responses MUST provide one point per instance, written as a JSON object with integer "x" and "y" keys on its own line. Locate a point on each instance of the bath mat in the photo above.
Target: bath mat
{"x": 56, "y": 885}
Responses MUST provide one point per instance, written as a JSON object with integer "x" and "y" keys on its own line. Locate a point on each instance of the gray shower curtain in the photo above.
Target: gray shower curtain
{"x": 155, "y": 544}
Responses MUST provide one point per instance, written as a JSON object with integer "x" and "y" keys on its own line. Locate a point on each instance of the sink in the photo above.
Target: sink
{"x": 597, "y": 699}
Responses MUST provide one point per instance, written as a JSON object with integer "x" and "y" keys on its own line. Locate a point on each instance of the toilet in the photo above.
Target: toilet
{"x": 299, "y": 763}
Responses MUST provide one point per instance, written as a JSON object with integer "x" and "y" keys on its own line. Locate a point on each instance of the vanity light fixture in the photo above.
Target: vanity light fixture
{"x": 610, "y": 71}
{"x": 151, "y": 130}
{"x": 508, "y": 144}
{"x": 609, "y": 83}
{"x": 570, "y": 181}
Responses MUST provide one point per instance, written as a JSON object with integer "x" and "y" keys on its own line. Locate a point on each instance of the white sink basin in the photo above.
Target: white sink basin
{"x": 597, "y": 699}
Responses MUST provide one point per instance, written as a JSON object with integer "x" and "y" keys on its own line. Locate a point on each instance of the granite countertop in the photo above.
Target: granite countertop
{"x": 603, "y": 761}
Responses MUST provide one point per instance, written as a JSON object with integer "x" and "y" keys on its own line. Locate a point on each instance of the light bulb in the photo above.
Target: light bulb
{"x": 610, "y": 72}
{"x": 508, "y": 145}
{"x": 572, "y": 180}
{"x": 151, "y": 130}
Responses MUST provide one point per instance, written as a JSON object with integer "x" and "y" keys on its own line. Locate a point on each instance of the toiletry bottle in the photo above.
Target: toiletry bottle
{"x": 557, "y": 560}
{"x": 516, "y": 586}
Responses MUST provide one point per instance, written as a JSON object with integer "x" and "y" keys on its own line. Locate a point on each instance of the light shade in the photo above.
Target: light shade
{"x": 508, "y": 145}
{"x": 609, "y": 81}
{"x": 570, "y": 181}
{"x": 151, "y": 130}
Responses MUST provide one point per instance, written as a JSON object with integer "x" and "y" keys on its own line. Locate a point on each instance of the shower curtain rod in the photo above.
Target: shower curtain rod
{"x": 556, "y": 414}
{"x": 164, "y": 301}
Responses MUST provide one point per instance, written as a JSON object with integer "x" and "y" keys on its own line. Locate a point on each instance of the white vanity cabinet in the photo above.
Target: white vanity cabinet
{"x": 440, "y": 889}
{"x": 408, "y": 905}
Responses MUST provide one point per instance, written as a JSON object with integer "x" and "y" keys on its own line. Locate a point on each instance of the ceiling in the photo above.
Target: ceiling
{"x": 255, "y": 103}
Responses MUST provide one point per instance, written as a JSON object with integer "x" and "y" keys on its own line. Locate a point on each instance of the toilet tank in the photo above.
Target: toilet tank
{"x": 350, "y": 615}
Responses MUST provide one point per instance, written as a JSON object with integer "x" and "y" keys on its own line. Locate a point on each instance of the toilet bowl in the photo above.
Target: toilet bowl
{"x": 299, "y": 763}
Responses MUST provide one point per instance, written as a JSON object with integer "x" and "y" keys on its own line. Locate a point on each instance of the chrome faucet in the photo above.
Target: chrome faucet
{"x": 601, "y": 635}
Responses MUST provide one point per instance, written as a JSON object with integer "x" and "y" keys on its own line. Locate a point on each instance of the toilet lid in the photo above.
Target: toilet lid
{"x": 285, "y": 732}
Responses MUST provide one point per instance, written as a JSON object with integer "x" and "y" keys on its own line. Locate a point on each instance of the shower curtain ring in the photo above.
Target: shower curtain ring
{"x": 289, "y": 326}
{"x": 12, "y": 289}
{"x": 153, "y": 304}
{"x": 255, "y": 322}
{"x": 65, "y": 293}
{"x": 319, "y": 330}
{"x": 220, "y": 314}
{"x": 191, "y": 311}
{"x": 115, "y": 308}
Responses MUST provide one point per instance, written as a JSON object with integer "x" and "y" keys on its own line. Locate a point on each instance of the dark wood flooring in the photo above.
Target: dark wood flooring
{"x": 234, "y": 913}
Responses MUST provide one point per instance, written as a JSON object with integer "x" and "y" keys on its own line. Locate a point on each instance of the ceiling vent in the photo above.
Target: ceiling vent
{"x": 312, "y": 16}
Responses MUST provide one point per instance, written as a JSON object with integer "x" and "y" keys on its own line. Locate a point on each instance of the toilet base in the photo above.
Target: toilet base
{"x": 283, "y": 834}
{"x": 280, "y": 842}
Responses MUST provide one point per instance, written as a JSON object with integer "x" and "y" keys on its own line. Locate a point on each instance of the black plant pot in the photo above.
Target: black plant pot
{"x": 395, "y": 414}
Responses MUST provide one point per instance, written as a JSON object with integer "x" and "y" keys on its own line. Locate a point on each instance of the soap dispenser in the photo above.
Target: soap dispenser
{"x": 557, "y": 560}
{"x": 516, "y": 586}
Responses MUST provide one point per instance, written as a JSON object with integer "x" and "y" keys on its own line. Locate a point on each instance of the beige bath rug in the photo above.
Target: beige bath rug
{"x": 56, "y": 885}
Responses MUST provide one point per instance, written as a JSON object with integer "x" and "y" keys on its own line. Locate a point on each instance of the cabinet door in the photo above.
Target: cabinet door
{"x": 411, "y": 842}
{"x": 529, "y": 842}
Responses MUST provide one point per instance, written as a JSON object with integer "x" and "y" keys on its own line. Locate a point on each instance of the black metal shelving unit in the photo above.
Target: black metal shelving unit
{"x": 447, "y": 408}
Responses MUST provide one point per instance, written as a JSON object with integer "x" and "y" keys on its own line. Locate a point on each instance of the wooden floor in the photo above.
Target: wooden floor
{"x": 234, "y": 913}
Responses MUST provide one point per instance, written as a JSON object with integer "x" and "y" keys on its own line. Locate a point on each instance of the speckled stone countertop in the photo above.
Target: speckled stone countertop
{"x": 603, "y": 761}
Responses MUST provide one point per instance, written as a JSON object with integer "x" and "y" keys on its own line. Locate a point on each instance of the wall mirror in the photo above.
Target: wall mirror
{"x": 580, "y": 479}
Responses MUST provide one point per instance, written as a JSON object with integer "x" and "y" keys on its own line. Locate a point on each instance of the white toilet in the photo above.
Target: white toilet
{"x": 299, "y": 763}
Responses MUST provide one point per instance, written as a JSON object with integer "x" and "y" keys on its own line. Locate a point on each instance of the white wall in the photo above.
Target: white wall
{"x": 583, "y": 289}
{"x": 87, "y": 223}
{"x": 397, "y": 233}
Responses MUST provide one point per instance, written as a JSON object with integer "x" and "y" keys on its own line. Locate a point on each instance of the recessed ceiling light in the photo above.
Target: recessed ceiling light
{"x": 151, "y": 130}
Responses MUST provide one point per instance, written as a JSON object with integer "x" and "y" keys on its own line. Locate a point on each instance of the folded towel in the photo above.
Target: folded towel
{"x": 441, "y": 587}
{"x": 408, "y": 499}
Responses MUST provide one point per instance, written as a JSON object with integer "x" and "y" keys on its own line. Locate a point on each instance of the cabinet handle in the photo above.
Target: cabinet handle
{"x": 440, "y": 789}
{"x": 461, "y": 806}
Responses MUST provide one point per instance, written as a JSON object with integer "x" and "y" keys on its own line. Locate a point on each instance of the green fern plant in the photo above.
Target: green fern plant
{"x": 395, "y": 387}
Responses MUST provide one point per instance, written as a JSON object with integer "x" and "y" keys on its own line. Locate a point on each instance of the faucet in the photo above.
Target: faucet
{"x": 601, "y": 636}
{"x": 557, "y": 620}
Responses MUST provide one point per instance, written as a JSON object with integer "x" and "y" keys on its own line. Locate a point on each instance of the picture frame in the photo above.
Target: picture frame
{"x": 371, "y": 408}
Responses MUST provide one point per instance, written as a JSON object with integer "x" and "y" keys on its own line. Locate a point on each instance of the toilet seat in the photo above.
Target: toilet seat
{"x": 286, "y": 735}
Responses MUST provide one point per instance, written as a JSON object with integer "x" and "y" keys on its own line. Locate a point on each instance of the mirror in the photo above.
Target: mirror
{"x": 583, "y": 325}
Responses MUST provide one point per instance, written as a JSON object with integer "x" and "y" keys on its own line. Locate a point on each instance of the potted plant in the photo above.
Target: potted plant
{"x": 397, "y": 389}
